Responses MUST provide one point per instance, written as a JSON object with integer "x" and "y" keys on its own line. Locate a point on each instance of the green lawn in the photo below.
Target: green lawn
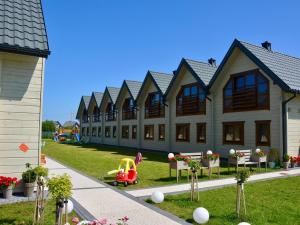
{"x": 22, "y": 213}
{"x": 97, "y": 160}
{"x": 275, "y": 202}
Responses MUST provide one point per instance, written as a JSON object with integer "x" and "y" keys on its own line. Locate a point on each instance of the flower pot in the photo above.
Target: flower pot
{"x": 211, "y": 163}
{"x": 260, "y": 159}
{"x": 28, "y": 189}
{"x": 286, "y": 165}
{"x": 180, "y": 165}
{"x": 7, "y": 192}
{"x": 272, "y": 165}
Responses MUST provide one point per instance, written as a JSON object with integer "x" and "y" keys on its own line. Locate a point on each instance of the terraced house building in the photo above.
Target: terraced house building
{"x": 250, "y": 100}
{"x": 23, "y": 50}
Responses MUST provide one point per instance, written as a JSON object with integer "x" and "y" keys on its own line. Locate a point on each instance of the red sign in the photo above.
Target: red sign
{"x": 23, "y": 147}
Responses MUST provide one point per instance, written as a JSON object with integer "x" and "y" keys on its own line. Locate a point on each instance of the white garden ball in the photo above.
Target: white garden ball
{"x": 231, "y": 151}
{"x": 201, "y": 215}
{"x": 209, "y": 152}
{"x": 83, "y": 222}
{"x": 257, "y": 150}
{"x": 171, "y": 156}
{"x": 244, "y": 223}
{"x": 70, "y": 207}
{"x": 157, "y": 197}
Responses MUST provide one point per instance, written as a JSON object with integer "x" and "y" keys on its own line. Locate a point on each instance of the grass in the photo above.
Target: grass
{"x": 268, "y": 203}
{"x": 97, "y": 160}
{"x": 22, "y": 213}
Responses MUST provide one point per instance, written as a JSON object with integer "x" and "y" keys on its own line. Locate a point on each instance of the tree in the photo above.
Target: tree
{"x": 48, "y": 126}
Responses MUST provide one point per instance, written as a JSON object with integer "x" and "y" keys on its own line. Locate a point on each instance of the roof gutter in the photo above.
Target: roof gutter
{"x": 284, "y": 124}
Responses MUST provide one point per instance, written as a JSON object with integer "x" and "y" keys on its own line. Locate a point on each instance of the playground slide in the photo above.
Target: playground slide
{"x": 77, "y": 137}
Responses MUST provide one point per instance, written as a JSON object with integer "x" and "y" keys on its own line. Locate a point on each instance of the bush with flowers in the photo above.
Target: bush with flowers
{"x": 6, "y": 182}
{"x": 213, "y": 156}
{"x": 259, "y": 153}
{"x": 181, "y": 158}
{"x": 122, "y": 221}
{"x": 237, "y": 155}
{"x": 294, "y": 160}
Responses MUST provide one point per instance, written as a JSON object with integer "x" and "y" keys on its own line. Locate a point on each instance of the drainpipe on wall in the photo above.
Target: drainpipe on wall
{"x": 284, "y": 124}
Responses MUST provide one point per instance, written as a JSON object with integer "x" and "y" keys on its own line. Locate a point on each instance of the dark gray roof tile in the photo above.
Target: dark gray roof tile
{"x": 134, "y": 87}
{"x": 113, "y": 92}
{"x": 86, "y": 100}
{"x": 98, "y": 97}
{"x": 162, "y": 80}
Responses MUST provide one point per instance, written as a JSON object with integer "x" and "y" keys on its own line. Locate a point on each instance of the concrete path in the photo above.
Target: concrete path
{"x": 211, "y": 184}
{"x": 98, "y": 200}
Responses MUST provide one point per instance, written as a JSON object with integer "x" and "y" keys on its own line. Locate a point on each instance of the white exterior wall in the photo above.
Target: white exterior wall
{"x": 237, "y": 63}
{"x": 185, "y": 77}
{"x": 155, "y": 144}
{"x": 293, "y": 127}
{"x": 21, "y": 88}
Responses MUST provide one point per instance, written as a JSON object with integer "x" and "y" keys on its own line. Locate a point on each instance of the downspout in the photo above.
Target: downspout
{"x": 284, "y": 124}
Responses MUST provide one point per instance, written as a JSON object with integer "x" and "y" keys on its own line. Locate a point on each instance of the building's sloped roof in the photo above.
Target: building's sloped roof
{"x": 204, "y": 71}
{"x": 134, "y": 87}
{"x": 98, "y": 97}
{"x": 70, "y": 123}
{"x": 113, "y": 92}
{"x": 162, "y": 80}
{"x": 86, "y": 101}
{"x": 22, "y": 27}
{"x": 286, "y": 67}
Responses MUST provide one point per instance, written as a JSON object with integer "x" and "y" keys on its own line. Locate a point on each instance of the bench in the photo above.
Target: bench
{"x": 245, "y": 160}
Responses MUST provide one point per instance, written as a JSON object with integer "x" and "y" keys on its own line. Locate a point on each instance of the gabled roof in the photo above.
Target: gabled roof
{"x": 160, "y": 80}
{"x": 22, "y": 28}
{"x": 70, "y": 123}
{"x": 113, "y": 93}
{"x": 284, "y": 70}
{"x": 133, "y": 88}
{"x": 202, "y": 71}
{"x": 97, "y": 97}
{"x": 85, "y": 101}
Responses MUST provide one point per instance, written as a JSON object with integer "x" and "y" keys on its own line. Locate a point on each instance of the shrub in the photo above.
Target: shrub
{"x": 41, "y": 171}
{"x": 29, "y": 176}
{"x": 60, "y": 187}
{"x": 242, "y": 176}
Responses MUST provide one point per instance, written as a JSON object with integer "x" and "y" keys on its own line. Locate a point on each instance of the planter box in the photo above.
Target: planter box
{"x": 240, "y": 160}
{"x": 179, "y": 165}
{"x": 210, "y": 163}
{"x": 262, "y": 159}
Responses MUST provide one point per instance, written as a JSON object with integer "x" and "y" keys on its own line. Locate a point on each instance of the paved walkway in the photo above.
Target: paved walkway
{"x": 212, "y": 184}
{"x": 98, "y": 200}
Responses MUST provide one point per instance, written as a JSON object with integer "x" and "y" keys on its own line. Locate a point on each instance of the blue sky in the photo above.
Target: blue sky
{"x": 99, "y": 43}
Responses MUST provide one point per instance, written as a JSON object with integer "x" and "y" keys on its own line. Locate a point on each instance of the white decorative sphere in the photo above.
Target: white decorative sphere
{"x": 70, "y": 207}
{"x": 171, "y": 156}
{"x": 157, "y": 197}
{"x": 201, "y": 215}
{"x": 257, "y": 150}
{"x": 231, "y": 151}
{"x": 209, "y": 152}
{"x": 244, "y": 223}
{"x": 83, "y": 222}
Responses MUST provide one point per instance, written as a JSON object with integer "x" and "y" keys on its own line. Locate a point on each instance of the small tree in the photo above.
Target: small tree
{"x": 241, "y": 178}
{"x": 48, "y": 126}
{"x": 194, "y": 166}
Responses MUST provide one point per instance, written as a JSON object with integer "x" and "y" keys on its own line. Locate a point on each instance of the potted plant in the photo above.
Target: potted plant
{"x": 237, "y": 157}
{"x": 211, "y": 160}
{"x": 273, "y": 157}
{"x": 286, "y": 161}
{"x": 179, "y": 162}
{"x": 7, "y": 185}
{"x": 29, "y": 178}
{"x": 293, "y": 160}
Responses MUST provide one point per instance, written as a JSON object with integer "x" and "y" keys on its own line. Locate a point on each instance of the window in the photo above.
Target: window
{"x": 149, "y": 132}
{"x": 191, "y": 100}
{"x": 96, "y": 114}
{"x": 125, "y": 132}
{"x": 99, "y": 132}
{"x": 107, "y": 131}
{"x": 110, "y": 112}
{"x": 128, "y": 109}
{"x": 246, "y": 91}
{"x": 83, "y": 131}
{"x": 87, "y": 131}
{"x": 183, "y": 132}
{"x": 114, "y": 131}
{"x": 161, "y": 132}
{"x": 233, "y": 133}
{"x": 263, "y": 133}
{"x": 201, "y": 132}
{"x": 134, "y": 131}
{"x": 85, "y": 116}
{"x": 154, "y": 105}
{"x": 94, "y": 131}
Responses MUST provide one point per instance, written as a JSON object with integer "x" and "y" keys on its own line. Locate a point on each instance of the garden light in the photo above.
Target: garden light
{"x": 244, "y": 223}
{"x": 70, "y": 207}
{"x": 157, "y": 197}
{"x": 231, "y": 151}
{"x": 201, "y": 215}
{"x": 257, "y": 150}
{"x": 209, "y": 152}
{"x": 171, "y": 156}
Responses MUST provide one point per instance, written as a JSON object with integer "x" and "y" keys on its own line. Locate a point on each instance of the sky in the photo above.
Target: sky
{"x": 97, "y": 43}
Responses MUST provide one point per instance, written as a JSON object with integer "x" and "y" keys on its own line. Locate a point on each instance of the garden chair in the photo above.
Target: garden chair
{"x": 244, "y": 160}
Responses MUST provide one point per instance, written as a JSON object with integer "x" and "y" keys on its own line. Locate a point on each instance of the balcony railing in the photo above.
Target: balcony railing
{"x": 110, "y": 116}
{"x": 85, "y": 119}
{"x": 155, "y": 110}
{"x": 96, "y": 118}
{"x": 129, "y": 114}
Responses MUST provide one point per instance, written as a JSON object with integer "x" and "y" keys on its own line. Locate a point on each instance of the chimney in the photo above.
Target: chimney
{"x": 212, "y": 62}
{"x": 267, "y": 45}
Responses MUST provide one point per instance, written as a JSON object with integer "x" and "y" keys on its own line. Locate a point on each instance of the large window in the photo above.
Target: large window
{"x": 85, "y": 116}
{"x": 263, "y": 131}
{"x": 154, "y": 105}
{"x": 161, "y": 132}
{"x": 201, "y": 132}
{"x": 99, "y": 132}
{"x": 125, "y": 132}
{"x": 110, "y": 112}
{"x": 183, "y": 132}
{"x": 96, "y": 114}
{"x": 246, "y": 91}
{"x": 114, "y": 131}
{"x": 107, "y": 132}
{"x": 191, "y": 100}
{"x": 128, "y": 109}
{"x": 233, "y": 133}
{"x": 149, "y": 132}
{"x": 94, "y": 131}
{"x": 133, "y": 131}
